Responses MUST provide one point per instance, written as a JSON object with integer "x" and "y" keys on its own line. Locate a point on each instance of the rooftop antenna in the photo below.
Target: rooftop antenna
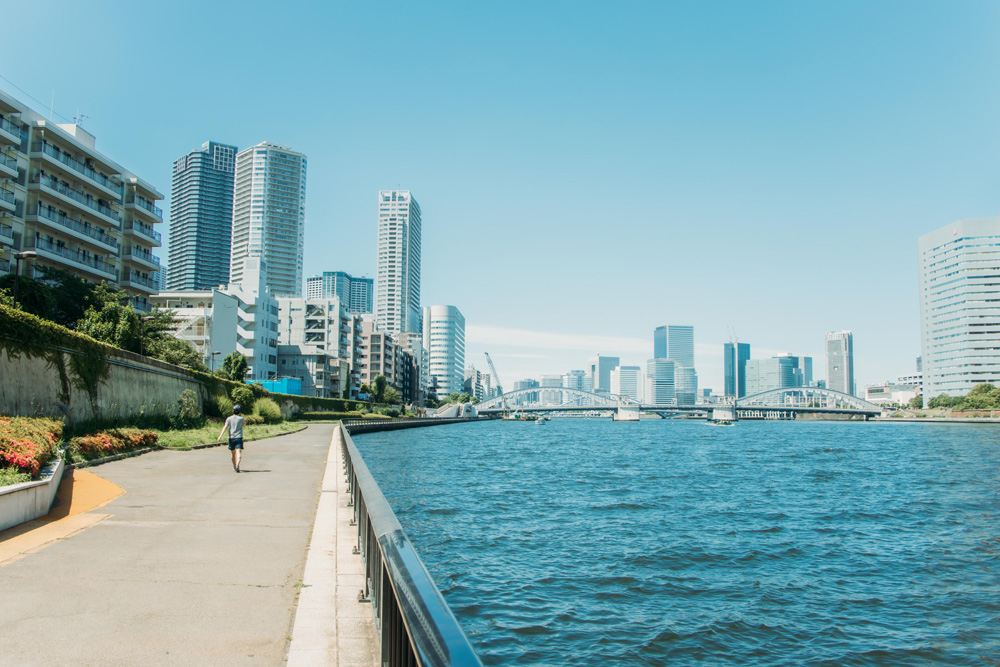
{"x": 78, "y": 118}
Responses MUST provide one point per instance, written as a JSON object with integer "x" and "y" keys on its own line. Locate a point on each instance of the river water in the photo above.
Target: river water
{"x": 589, "y": 542}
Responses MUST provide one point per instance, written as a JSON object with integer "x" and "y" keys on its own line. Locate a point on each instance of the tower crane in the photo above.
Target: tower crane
{"x": 493, "y": 369}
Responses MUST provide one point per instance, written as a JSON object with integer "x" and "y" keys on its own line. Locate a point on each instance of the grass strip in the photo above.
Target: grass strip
{"x": 190, "y": 438}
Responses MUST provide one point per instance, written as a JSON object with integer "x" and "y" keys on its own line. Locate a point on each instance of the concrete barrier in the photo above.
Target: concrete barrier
{"x": 30, "y": 500}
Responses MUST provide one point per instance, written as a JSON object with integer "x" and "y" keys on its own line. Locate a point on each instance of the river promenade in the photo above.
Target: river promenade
{"x": 187, "y": 562}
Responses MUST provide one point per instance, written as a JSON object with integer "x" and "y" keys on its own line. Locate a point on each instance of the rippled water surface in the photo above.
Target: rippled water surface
{"x": 588, "y": 542}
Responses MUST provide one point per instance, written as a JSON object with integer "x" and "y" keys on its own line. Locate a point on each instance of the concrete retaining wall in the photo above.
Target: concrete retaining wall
{"x": 135, "y": 385}
{"x": 30, "y": 500}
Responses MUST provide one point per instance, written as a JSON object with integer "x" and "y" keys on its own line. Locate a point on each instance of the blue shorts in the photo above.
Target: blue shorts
{"x": 235, "y": 443}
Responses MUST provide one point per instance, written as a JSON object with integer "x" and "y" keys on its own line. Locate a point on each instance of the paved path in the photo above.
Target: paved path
{"x": 193, "y": 565}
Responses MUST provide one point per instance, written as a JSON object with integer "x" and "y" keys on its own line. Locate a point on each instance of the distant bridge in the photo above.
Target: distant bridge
{"x": 785, "y": 403}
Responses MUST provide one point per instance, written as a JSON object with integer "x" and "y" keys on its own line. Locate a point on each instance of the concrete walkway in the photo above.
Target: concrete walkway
{"x": 194, "y": 565}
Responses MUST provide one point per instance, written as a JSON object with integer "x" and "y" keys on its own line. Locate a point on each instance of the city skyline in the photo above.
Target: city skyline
{"x": 757, "y": 143}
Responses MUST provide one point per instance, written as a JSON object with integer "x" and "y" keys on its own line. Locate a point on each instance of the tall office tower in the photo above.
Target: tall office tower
{"x": 774, "y": 373}
{"x": 840, "y": 361}
{"x": 960, "y": 323}
{"x": 806, "y": 367}
{"x": 674, "y": 342}
{"x": 660, "y": 342}
{"x": 736, "y": 363}
{"x": 660, "y": 381}
{"x": 355, "y": 293}
{"x": 600, "y": 372}
{"x": 627, "y": 381}
{"x": 72, "y": 207}
{"x": 444, "y": 340}
{"x": 269, "y": 215}
{"x": 397, "y": 282}
{"x": 201, "y": 218}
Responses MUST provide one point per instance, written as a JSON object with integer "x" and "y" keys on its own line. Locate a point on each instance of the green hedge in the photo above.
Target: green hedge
{"x": 312, "y": 404}
{"x": 331, "y": 416}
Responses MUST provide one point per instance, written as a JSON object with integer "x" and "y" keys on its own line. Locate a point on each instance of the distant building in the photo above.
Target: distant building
{"x": 269, "y": 215}
{"x": 840, "y": 361}
{"x": 774, "y": 373}
{"x": 357, "y": 294}
{"x": 736, "y": 364}
{"x": 327, "y": 338}
{"x": 600, "y": 373}
{"x": 627, "y": 381}
{"x": 685, "y": 385}
{"x": 661, "y": 376}
{"x": 960, "y": 320}
{"x": 201, "y": 218}
{"x": 397, "y": 281}
{"x": 444, "y": 340}
{"x": 674, "y": 342}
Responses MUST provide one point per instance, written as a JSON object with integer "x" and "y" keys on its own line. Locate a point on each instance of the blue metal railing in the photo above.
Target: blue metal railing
{"x": 415, "y": 626}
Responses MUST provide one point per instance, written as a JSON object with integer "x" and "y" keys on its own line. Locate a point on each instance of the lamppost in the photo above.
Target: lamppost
{"x": 18, "y": 256}
{"x": 214, "y": 354}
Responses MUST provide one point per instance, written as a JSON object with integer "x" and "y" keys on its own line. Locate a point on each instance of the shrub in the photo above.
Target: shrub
{"x": 258, "y": 390}
{"x": 28, "y": 444}
{"x": 187, "y": 415}
{"x": 223, "y": 405}
{"x": 328, "y": 416}
{"x": 243, "y": 395}
{"x": 268, "y": 410}
{"x": 106, "y": 443}
{"x": 253, "y": 420}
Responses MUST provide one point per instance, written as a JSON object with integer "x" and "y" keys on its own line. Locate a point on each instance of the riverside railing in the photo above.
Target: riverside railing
{"x": 415, "y": 626}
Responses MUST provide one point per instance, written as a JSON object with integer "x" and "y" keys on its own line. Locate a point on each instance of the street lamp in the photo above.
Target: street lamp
{"x": 18, "y": 256}
{"x": 214, "y": 354}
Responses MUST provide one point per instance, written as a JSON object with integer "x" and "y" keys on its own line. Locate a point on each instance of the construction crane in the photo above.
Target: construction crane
{"x": 493, "y": 369}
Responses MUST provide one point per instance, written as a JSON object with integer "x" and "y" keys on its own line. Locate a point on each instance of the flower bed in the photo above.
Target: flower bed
{"x": 27, "y": 444}
{"x": 110, "y": 442}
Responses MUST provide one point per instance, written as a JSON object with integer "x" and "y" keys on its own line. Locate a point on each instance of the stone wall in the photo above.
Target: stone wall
{"x": 135, "y": 385}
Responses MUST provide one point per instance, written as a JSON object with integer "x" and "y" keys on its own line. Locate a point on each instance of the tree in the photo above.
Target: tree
{"x": 112, "y": 319}
{"x": 236, "y": 365}
{"x": 916, "y": 402}
{"x": 33, "y": 296}
{"x": 180, "y": 353}
{"x": 379, "y": 389}
{"x": 391, "y": 396}
{"x": 365, "y": 391}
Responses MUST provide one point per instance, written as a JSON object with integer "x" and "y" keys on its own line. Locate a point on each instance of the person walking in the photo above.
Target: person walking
{"x": 234, "y": 424}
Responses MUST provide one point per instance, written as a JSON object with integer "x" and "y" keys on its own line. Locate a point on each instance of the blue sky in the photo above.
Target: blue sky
{"x": 587, "y": 171}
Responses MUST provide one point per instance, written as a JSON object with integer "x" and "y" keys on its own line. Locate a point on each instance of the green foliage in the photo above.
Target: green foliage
{"x": 242, "y": 395}
{"x": 59, "y": 296}
{"x": 187, "y": 415}
{"x": 390, "y": 396}
{"x": 329, "y": 416}
{"x": 235, "y": 364}
{"x": 28, "y": 444}
{"x": 455, "y": 397}
{"x": 916, "y": 402}
{"x": 222, "y": 406}
{"x": 378, "y": 391}
{"x": 221, "y": 374}
{"x": 259, "y": 391}
{"x": 179, "y": 353}
{"x": 268, "y": 410}
{"x": 10, "y": 476}
{"x": 112, "y": 319}
{"x": 253, "y": 420}
{"x": 983, "y": 396}
{"x": 110, "y": 442}
{"x": 23, "y": 333}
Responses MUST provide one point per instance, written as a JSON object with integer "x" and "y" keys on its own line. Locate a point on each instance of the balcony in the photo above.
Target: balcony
{"x": 138, "y": 254}
{"x": 136, "y": 281}
{"x": 146, "y": 232}
{"x": 8, "y": 165}
{"x": 75, "y": 258}
{"x": 7, "y": 200}
{"x": 10, "y": 132}
{"x": 131, "y": 201}
{"x": 100, "y": 179}
{"x": 6, "y": 235}
{"x": 76, "y": 228}
{"x": 75, "y": 198}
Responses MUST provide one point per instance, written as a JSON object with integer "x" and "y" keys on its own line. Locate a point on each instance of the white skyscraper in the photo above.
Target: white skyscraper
{"x": 269, "y": 215}
{"x": 444, "y": 340}
{"x": 397, "y": 281}
{"x": 959, "y": 316}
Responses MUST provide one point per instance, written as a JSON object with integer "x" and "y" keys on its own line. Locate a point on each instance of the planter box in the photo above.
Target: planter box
{"x": 30, "y": 500}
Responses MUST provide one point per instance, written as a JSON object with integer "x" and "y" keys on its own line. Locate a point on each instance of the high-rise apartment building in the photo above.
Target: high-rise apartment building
{"x": 840, "y": 361}
{"x": 444, "y": 340}
{"x": 269, "y": 215}
{"x": 357, "y": 294}
{"x": 959, "y": 317}
{"x": 71, "y": 207}
{"x": 600, "y": 372}
{"x": 201, "y": 218}
{"x": 397, "y": 282}
{"x": 735, "y": 361}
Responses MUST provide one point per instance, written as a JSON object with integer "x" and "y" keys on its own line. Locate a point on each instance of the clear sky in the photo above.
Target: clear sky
{"x": 587, "y": 171}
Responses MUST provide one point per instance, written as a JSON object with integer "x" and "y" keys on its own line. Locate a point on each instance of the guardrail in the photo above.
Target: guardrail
{"x": 415, "y": 626}
{"x": 372, "y": 425}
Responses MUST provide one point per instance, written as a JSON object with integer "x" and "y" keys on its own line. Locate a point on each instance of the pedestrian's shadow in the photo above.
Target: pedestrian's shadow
{"x": 244, "y": 470}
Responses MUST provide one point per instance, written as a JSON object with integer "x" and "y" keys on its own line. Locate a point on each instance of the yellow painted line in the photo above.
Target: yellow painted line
{"x": 79, "y": 493}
